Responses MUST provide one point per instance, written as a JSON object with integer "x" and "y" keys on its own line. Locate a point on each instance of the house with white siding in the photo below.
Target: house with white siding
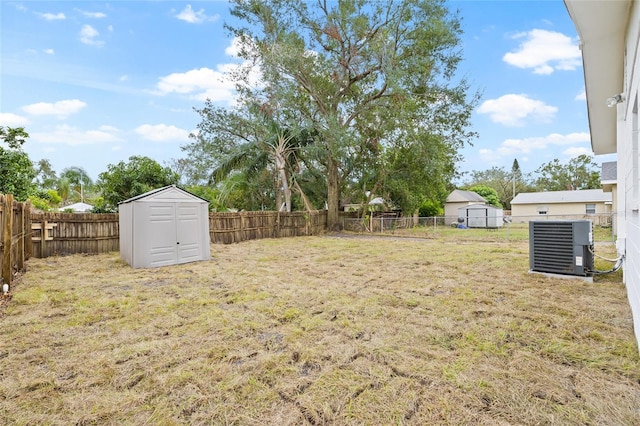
{"x": 609, "y": 40}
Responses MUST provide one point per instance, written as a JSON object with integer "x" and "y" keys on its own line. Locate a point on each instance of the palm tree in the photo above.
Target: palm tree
{"x": 272, "y": 147}
{"x": 77, "y": 182}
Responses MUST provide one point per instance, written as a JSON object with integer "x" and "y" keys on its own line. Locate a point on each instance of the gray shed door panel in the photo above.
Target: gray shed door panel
{"x": 477, "y": 218}
{"x": 188, "y": 233}
{"x": 162, "y": 227}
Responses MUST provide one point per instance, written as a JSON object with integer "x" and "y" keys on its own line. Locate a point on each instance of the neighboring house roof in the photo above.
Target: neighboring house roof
{"x": 582, "y": 196}
{"x": 601, "y": 26}
{"x": 79, "y": 207}
{"x": 460, "y": 196}
{"x": 609, "y": 175}
{"x": 609, "y": 171}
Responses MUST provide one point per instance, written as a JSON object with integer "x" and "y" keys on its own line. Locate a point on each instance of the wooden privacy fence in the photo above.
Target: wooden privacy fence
{"x": 69, "y": 233}
{"x": 227, "y": 228}
{"x": 16, "y": 237}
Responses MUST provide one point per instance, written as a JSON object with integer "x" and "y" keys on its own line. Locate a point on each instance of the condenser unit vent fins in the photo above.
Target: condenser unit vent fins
{"x": 561, "y": 247}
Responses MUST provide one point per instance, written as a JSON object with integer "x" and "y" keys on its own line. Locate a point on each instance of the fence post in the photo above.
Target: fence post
{"x": 21, "y": 236}
{"x": 7, "y": 230}
{"x": 28, "y": 244}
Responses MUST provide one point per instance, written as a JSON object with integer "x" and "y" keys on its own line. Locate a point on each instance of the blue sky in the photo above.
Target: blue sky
{"x": 97, "y": 82}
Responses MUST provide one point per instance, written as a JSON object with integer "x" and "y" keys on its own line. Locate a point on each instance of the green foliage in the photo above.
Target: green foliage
{"x": 54, "y": 198}
{"x": 100, "y": 206}
{"x": 40, "y": 203}
{"x": 580, "y": 172}
{"x": 429, "y": 208}
{"x": 488, "y": 194}
{"x": 16, "y": 169}
{"x": 128, "y": 179}
{"x": 416, "y": 170}
{"x": 45, "y": 200}
{"x": 208, "y": 193}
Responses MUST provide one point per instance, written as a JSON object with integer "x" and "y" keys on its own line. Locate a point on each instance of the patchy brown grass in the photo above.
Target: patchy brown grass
{"x": 318, "y": 330}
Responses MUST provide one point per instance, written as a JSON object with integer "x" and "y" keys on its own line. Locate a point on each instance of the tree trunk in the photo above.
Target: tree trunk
{"x": 284, "y": 181}
{"x": 333, "y": 196}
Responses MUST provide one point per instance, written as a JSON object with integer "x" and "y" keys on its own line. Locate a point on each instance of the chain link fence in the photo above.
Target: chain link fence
{"x": 510, "y": 227}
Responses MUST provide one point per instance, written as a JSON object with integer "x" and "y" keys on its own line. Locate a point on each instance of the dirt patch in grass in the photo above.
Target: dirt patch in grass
{"x": 318, "y": 330}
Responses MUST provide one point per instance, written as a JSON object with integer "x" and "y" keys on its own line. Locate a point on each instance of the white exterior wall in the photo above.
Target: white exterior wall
{"x": 125, "y": 229}
{"x": 629, "y": 164}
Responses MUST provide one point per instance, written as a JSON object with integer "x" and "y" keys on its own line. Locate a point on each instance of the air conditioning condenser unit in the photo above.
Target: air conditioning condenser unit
{"x": 561, "y": 247}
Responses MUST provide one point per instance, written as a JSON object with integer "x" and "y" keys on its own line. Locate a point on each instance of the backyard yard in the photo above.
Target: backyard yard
{"x": 338, "y": 330}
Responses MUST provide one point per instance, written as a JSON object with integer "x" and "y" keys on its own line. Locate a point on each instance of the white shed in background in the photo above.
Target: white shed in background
{"x": 481, "y": 216}
{"x": 162, "y": 227}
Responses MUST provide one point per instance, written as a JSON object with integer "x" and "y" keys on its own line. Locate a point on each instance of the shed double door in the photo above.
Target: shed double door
{"x": 174, "y": 233}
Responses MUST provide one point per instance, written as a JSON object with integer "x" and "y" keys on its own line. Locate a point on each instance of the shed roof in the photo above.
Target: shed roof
{"x": 480, "y": 206}
{"x": 171, "y": 191}
{"x": 582, "y": 196}
{"x": 460, "y": 196}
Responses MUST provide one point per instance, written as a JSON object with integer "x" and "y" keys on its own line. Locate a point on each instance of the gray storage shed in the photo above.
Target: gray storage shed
{"x": 162, "y": 227}
{"x": 481, "y": 216}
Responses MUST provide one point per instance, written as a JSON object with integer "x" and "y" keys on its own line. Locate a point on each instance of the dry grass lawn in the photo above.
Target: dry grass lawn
{"x": 318, "y": 330}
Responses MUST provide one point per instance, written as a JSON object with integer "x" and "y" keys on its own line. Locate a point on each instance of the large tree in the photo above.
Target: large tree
{"x": 128, "y": 179}
{"x": 16, "y": 169}
{"x": 503, "y": 181}
{"x": 366, "y": 76}
{"x": 46, "y": 177}
{"x": 580, "y": 172}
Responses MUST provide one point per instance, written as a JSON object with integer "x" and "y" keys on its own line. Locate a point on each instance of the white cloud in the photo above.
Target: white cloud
{"x": 124, "y": 78}
{"x": 95, "y": 15}
{"x": 12, "y": 120}
{"x": 205, "y": 83}
{"x": 49, "y": 51}
{"x": 60, "y": 108}
{"x": 234, "y": 48}
{"x": 52, "y": 17}
{"x": 88, "y": 35}
{"x": 162, "y": 133}
{"x": 576, "y": 151}
{"x": 512, "y": 110}
{"x": 67, "y": 135}
{"x": 193, "y": 17}
{"x": 582, "y": 96}
{"x": 578, "y": 143}
{"x": 110, "y": 28}
{"x": 544, "y": 51}
{"x": 200, "y": 84}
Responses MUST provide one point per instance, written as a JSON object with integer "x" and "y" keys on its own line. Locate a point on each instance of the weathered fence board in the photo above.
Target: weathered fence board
{"x": 228, "y": 228}
{"x": 68, "y": 233}
{"x": 16, "y": 231}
